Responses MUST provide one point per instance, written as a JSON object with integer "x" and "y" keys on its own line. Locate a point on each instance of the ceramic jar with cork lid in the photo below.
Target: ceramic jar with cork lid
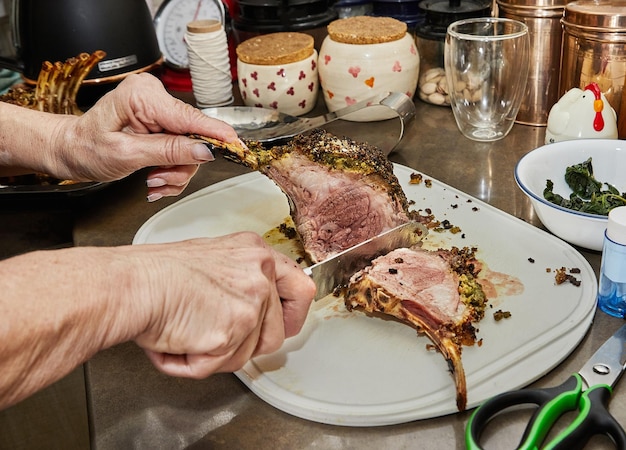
{"x": 279, "y": 71}
{"x": 430, "y": 38}
{"x": 364, "y": 56}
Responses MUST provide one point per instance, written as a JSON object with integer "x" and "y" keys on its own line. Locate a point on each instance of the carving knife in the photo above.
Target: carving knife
{"x": 337, "y": 270}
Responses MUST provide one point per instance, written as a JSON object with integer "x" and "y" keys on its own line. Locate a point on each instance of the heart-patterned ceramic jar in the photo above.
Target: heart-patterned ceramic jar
{"x": 279, "y": 71}
{"x": 363, "y": 56}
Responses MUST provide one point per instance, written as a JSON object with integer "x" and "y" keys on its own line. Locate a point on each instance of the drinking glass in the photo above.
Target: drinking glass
{"x": 486, "y": 64}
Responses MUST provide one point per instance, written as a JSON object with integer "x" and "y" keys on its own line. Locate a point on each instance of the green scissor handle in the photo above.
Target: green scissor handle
{"x": 593, "y": 417}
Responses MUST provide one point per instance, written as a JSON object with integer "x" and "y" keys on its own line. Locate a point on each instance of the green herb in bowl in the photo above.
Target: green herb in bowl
{"x": 588, "y": 194}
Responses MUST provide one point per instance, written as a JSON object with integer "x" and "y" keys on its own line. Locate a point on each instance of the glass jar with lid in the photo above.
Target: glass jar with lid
{"x": 594, "y": 49}
{"x": 430, "y": 38}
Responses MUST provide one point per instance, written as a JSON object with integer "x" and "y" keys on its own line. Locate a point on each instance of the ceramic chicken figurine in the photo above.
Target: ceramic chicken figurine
{"x": 581, "y": 114}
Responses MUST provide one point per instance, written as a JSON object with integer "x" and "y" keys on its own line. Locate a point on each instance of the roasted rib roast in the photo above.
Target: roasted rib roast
{"x": 57, "y": 85}
{"x": 341, "y": 193}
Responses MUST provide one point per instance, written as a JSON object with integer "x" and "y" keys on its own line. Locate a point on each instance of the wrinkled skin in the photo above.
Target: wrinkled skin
{"x": 196, "y": 307}
{"x": 134, "y": 126}
{"x": 221, "y": 331}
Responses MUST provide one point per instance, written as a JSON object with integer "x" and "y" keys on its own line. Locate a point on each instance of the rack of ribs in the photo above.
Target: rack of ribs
{"x": 341, "y": 193}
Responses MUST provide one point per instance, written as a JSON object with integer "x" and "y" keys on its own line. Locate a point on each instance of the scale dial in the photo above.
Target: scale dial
{"x": 171, "y": 21}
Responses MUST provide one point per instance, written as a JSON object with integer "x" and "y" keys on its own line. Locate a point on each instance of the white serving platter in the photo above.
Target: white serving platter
{"x": 346, "y": 368}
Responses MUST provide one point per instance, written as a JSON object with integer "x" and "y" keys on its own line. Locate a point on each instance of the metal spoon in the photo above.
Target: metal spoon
{"x": 268, "y": 125}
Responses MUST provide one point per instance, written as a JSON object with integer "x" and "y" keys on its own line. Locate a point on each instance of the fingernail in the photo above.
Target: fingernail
{"x": 155, "y": 182}
{"x": 202, "y": 153}
{"x": 154, "y": 197}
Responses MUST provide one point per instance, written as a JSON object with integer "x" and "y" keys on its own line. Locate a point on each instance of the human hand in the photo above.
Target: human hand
{"x": 216, "y": 303}
{"x": 137, "y": 125}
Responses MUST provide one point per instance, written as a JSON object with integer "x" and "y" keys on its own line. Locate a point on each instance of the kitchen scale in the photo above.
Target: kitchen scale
{"x": 170, "y": 22}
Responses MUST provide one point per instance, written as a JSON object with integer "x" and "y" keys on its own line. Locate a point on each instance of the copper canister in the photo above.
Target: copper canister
{"x": 594, "y": 49}
{"x": 543, "y": 19}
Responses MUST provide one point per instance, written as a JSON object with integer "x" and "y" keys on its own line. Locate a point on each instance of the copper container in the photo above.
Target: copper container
{"x": 543, "y": 19}
{"x": 594, "y": 49}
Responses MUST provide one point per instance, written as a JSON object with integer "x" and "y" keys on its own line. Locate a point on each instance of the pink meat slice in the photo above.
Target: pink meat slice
{"x": 333, "y": 209}
{"x": 420, "y": 288}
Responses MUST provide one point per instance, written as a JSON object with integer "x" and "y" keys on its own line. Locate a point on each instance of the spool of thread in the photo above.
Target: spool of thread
{"x": 209, "y": 63}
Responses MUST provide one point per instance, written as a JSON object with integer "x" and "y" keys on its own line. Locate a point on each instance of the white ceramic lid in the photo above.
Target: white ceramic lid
{"x": 616, "y": 227}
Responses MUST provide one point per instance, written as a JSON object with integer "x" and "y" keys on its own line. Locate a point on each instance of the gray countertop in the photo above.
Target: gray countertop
{"x": 131, "y": 405}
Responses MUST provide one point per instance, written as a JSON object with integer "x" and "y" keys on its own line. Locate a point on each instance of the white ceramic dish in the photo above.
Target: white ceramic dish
{"x": 346, "y": 368}
{"x": 549, "y": 162}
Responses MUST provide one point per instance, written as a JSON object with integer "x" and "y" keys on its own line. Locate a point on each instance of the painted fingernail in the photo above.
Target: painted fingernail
{"x": 154, "y": 197}
{"x": 155, "y": 182}
{"x": 202, "y": 153}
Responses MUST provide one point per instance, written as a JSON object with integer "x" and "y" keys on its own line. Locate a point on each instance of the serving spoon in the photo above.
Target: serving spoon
{"x": 269, "y": 125}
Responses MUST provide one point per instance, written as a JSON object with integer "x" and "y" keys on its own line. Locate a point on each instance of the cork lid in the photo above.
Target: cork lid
{"x": 366, "y": 30}
{"x": 275, "y": 48}
{"x": 204, "y": 26}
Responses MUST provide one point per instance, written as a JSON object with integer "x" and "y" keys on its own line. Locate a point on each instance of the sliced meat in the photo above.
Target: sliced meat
{"x": 436, "y": 292}
{"x": 341, "y": 192}
{"x": 334, "y": 209}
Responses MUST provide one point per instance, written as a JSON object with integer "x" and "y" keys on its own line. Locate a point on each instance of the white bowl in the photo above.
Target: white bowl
{"x": 549, "y": 162}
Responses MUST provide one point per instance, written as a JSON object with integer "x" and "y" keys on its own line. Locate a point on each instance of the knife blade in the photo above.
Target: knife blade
{"x": 337, "y": 270}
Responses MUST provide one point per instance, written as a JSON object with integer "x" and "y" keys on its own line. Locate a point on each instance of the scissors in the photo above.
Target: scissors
{"x": 587, "y": 392}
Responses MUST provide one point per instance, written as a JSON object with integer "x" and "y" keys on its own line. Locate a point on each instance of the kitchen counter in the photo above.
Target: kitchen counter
{"x": 132, "y": 405}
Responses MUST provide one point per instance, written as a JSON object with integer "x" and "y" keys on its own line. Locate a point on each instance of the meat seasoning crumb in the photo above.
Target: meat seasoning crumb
{"x": 499, "y": 315}
{"x": 416, "y": 178}
{"x": 562, "y": 276}
{"x": 287, "y": 231}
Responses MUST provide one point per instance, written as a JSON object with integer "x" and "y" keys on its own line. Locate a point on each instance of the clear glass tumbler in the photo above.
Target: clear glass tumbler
{"x": 486, "y": 62}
